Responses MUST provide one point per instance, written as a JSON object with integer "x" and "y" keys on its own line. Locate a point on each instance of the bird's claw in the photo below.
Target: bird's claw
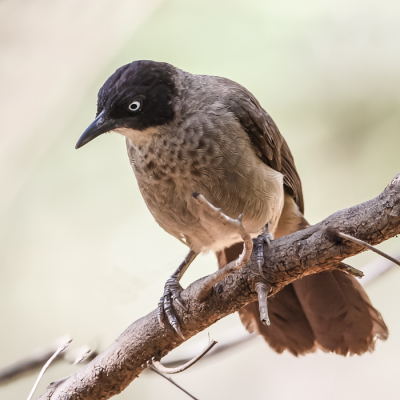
{"x": 172, "y": 291}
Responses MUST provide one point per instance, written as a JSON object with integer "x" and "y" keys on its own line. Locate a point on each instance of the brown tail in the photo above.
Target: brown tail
{"x": 329, "y": 310}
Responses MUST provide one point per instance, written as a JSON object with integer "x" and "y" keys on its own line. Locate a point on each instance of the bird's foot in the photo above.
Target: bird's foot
{"x": 172, "y": 290}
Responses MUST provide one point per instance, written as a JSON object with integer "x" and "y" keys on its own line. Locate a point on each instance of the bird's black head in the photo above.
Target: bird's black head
{"x": 136, "y": 96}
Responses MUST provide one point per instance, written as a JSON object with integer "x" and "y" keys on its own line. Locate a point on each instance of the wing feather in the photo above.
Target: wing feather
{"x": 268, "y": 143}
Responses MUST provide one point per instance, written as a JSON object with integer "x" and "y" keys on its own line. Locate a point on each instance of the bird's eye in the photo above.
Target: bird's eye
{"x": 135, "y": 106}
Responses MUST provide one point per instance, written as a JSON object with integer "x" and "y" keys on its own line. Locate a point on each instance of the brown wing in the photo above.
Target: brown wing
{"x": 268, "y": 143}
{"x": 328, "y": 310}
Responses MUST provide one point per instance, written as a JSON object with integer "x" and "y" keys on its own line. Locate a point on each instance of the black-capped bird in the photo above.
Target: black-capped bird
{"x": 190, "y": 133}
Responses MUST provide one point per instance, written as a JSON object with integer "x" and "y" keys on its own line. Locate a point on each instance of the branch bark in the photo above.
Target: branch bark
{"x": 286, "y": 259}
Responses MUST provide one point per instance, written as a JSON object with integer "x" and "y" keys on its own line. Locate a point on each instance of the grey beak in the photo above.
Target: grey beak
{"x": 99, "y": 126}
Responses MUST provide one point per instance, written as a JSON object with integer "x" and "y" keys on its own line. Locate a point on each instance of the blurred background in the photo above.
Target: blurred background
{"x": 75, "y": 234}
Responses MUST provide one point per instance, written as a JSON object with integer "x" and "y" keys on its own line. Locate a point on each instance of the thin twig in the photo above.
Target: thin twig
{"x": 151, "y": 368}
{"x": 335, "y": 232}
{"x": 368, "y": 246}
{"x": 82, "y": 354}
{"x": 60, "y": 349}
{"x": 165, "y": 370}
{"x": 262, "y": 290}
{"x": 38, "y": 357}
{"x": 28, "y": 363}
{"x": 348, "y": 269}
{"x": 236, "y": 339}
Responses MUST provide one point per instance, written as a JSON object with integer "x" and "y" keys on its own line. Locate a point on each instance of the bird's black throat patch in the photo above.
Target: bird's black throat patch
{"x": 150, "y": 82}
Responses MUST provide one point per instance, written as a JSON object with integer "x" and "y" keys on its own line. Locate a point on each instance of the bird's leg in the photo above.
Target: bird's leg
{"x": 172, "y": 289}
{"x": 236, "y": 224}
{"x": 262, "y": 286}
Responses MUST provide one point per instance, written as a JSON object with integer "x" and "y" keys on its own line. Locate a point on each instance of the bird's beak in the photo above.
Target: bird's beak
{"x": 99, "y": 126}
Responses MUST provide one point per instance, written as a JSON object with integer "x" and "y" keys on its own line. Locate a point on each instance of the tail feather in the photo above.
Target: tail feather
{"x": 340, "y": 313}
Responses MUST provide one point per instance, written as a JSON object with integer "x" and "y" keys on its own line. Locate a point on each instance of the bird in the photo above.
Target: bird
{"x": 188, "y": 134}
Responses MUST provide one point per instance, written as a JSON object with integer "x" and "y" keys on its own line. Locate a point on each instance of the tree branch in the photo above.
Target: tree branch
{"x": 286, "y": 259}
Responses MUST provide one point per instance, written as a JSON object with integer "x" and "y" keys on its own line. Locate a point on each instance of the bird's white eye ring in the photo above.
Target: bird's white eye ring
{"x": 135, "y": 106}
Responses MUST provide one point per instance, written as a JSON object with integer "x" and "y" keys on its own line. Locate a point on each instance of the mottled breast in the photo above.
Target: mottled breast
{"x": 206, "y": 152}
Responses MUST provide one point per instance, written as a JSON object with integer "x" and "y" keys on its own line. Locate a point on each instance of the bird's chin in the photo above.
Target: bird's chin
{"x": 135, "y": 136}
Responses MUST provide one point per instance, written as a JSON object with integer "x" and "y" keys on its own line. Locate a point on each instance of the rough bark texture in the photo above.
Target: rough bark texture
{"x": 287, "y": 259}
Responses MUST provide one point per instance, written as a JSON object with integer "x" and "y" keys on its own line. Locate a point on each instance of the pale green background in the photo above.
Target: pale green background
{"x": 81, "y": 255}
